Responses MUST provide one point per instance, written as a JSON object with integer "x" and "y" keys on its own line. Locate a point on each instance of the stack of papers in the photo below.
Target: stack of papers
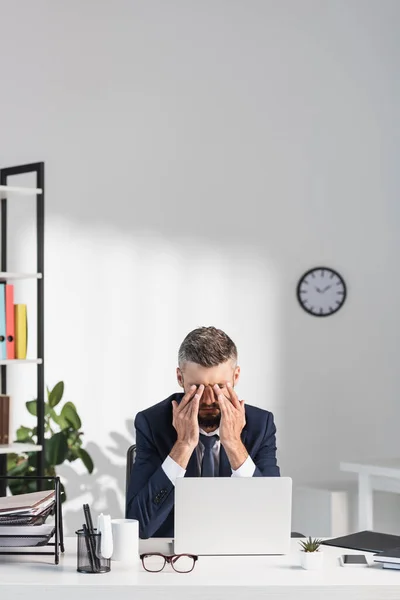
{"x": 19, "y": 516}
{"x": 390, "y": 559}
{"x": 22, "y": 536}
{"x": 26, "y": 509}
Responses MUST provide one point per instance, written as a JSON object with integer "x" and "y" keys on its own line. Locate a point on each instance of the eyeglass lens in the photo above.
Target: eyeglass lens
{"x": 183, "y": 564}
{"x": 153, "y": 562}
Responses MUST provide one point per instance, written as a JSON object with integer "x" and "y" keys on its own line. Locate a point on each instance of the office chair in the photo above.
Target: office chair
{"x": 130, "y": 459}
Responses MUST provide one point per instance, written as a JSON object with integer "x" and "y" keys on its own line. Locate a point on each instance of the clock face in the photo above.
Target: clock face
{"x": 321, "y": 291}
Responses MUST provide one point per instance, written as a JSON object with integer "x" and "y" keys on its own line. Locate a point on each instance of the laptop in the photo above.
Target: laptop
{"x": 233, "y": 515}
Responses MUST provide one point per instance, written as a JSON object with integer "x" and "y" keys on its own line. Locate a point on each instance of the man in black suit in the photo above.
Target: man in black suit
{"x": 204, "y": 432}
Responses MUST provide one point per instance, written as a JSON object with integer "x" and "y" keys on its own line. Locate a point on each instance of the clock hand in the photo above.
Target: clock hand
{"x": 327, "y": 288}
{"x": 318, "y": 290}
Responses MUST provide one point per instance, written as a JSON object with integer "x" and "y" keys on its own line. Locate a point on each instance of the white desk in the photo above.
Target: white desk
{"x": 380, "y": 475}
{"x": 214, "y": 578}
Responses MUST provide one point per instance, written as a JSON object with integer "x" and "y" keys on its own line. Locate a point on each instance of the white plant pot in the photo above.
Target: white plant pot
{"x": 311, "y": 560}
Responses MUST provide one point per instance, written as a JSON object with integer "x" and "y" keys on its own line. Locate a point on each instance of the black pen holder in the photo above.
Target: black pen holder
{"x": 90, "y": 559}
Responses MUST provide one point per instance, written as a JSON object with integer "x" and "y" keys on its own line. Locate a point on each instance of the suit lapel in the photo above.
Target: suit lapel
{"x": 224, "y": 464}
{"x": 244, "y": 435}
{"x": 191, "y": 470}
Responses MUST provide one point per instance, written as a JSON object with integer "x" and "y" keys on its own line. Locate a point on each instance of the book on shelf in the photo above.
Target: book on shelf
{"x": 21, "y": 331}
{"x": 3, "y": 343}
{"x": 10, "y": 320}
{"x": 4, "y": 419}
{"x": 13, "y": 325}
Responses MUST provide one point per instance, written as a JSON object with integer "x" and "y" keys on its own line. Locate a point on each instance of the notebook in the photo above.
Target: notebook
{"x": 366, "y": 541}
{"x": 389, "y": 556}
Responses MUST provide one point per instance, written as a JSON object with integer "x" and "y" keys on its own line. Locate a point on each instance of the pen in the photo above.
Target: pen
{"x": 92, "y": 539}
{"x": 89, "y": 548}
{"x": 88, "y": 517}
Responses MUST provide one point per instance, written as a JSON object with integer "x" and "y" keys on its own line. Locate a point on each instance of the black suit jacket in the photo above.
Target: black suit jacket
{"x": 150, "y": 497}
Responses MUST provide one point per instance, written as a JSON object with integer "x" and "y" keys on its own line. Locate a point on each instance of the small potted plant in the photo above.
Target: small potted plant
{"x": 311, "y": 555}
{"x": 63, "y": 435}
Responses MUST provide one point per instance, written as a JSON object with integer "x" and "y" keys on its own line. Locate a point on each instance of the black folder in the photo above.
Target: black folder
{"x": 391, "y": 556}
{"x": 366, "y": 541}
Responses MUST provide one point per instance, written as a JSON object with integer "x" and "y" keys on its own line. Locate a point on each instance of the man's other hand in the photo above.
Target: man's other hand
{"x": 185, "y": 421}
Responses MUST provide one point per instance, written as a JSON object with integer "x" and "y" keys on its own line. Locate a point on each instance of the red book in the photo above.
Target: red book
{"x": 10, "y": 323}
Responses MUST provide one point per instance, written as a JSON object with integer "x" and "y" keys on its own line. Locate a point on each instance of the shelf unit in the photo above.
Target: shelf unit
{"x": 20, "y": 361}
{"x": 8, "y": 193}
{"x": 6, "y": 190}
{"x": 5, "y": 276}
{"x": 18, "y": 447}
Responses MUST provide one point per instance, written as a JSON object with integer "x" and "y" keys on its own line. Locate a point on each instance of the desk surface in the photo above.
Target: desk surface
{"x": 214, "y": 578}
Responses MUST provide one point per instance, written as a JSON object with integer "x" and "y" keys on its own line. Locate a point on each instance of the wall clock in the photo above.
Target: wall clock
{"x": 321, "y": 291}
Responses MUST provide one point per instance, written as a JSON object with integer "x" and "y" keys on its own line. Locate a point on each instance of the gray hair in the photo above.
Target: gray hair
{"x": 208, "y": 347}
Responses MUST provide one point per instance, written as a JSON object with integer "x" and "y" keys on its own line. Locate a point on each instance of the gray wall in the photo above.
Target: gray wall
{"x": 200, "y": 156}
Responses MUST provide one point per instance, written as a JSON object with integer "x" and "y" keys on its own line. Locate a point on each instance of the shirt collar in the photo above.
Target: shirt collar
{"x": 216, "y": 432}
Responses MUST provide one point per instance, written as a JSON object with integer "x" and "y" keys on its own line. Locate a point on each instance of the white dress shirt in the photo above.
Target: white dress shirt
{"x": 173, "y": 470}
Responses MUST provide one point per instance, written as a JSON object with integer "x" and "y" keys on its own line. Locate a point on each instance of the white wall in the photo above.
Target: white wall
{"x": 200, "y": 156}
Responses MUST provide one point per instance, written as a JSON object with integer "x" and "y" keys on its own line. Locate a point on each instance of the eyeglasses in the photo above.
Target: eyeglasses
{"x": 181, "y": 563}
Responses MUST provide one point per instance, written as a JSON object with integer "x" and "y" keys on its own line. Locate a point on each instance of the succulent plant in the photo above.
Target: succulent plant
{"x": 310, "y": 545}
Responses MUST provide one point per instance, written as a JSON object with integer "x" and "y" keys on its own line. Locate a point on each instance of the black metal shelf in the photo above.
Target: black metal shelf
{"x": 5, "y": 174}
{"x": 58, "y": 535}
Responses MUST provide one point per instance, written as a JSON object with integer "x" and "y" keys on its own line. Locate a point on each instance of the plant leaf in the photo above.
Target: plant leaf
{"x": 69, "y": 414}
{"x": 86, "y": 459}
{"x": 53, "y": 415}
{"x": 58, "y": 419}
{"x": 56, "y": 449}
{"x": 32, "y": 407}
{"x": 32, "y": 459}
{"x": 12, "y": 460}
{"x": 24, "y": 434}
{"x": 21, "y": 486}
{"x": 19, "y": 469}
{"x": 56, "y": 394}
{"x": 310, "y": 545}
{"x": 74, "y": 440}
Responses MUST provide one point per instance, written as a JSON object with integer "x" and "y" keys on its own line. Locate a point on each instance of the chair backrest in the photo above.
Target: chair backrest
{"x": 130, "y": 459}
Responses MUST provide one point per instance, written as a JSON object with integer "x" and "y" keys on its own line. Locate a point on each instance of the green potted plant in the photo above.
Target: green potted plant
{"x": 63, "y": 437}
{"x": 311, "y": 555}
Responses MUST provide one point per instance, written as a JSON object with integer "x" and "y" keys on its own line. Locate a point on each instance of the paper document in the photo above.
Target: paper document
{"x": 27, "y": 530}
{"x": 31, "y": 504}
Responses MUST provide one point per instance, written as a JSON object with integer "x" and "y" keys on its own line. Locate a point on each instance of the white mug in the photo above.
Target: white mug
{"x": 125, "y": 534}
